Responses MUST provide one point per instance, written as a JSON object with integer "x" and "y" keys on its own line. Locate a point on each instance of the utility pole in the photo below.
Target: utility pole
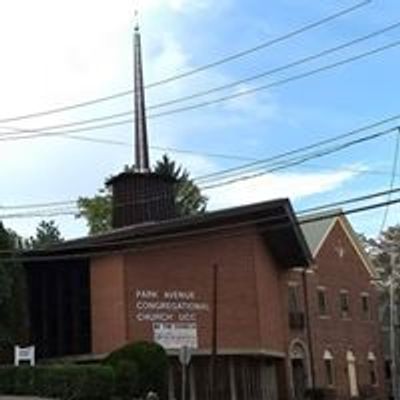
{"x": 393, "y": 318}
{"x": 393, "y": 368}
{"x": 213, "y": 367}
{"x": 390, "y": 284}
{"x": 308, "y": 329}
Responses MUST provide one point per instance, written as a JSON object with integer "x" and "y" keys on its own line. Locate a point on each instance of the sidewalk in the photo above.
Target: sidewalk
{"x": 22, "y": 398}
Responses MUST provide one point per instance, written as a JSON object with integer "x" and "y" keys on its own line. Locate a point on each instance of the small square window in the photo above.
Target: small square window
{"x": 322, "y": 302}
{"x": 344, "y": 304}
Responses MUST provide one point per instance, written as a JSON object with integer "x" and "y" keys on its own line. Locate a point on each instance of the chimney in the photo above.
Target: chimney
{"x": 140, "y": 195}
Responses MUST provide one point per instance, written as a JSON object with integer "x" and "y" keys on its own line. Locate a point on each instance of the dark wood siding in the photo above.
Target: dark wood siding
{"x": 59, "y": 307}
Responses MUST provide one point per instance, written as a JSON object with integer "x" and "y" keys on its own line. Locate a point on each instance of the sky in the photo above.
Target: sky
{"x": 65, "y": 52}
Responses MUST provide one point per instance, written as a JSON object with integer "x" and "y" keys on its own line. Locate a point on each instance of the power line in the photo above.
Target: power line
{"x": 104, "y": 245}
{"x": 305, "y": 211}
{"x": 282, "y": 158}
{"x": 276, "y": 83}
{"x": 218, "y": 100}
{"x": 287, "y": 164}
{"x": 294, "y": 162}
{"x": 18, "y": 131}
{"x": 313, "y": 57}
{"x": 197, "y": 70}
{"x": 392, "y": 178}
{"x": 314, "y": 145}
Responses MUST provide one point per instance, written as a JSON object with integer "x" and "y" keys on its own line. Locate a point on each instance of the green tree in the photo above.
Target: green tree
{"x": 13, "y": 319}
{"x": 47, "y": 234}
{"x": 97, "y": 211}
{"x": 188, "y": 198}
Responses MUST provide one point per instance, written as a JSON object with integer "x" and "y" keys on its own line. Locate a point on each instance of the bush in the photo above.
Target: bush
{"x": 7, "y": 380}
{"x": 152, "y": 365}
{"x": 126, "y": 380}
{"x": 67, "y": 382}
{"x": 24, "y": 381}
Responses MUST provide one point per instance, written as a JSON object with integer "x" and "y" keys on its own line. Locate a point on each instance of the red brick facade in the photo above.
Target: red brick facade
{"x": 339, "y": 267}
{"x": 253, "y": 310}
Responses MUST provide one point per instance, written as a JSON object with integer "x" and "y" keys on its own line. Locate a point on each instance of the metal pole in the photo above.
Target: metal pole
{"x": 213, "y": 367}
{"x": 392, "y": 338}
{"x": 184, "y": 370}
{"x": 309, "y": 334}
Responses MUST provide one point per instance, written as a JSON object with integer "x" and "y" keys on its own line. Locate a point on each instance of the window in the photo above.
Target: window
{"x": 294, "y": 299}
{"x": 295, "y": 308}
{"x": 388, "y": 370}
{"x": 372, "y": 369}
{"x": 322, "y": 303}
{"x": 344, "y": 304}
{"x": 365, "y": 308}
{"x": 328, "y": 365}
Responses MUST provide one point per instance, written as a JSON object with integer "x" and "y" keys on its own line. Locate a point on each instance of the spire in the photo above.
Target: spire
{"x": 141, "y": 144}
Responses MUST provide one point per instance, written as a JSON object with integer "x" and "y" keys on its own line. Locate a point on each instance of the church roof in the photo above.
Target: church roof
{"x": 274, "y": 220}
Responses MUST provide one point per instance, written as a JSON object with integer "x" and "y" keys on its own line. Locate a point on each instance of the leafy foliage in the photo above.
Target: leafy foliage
{"x": 126, "y": 380}
{"x": 65, "y": 382}
{"x": 152, "y": 365}
{"x": 188, "y": 197}
{"x": 13, "y": 327}
{"x": 384, "y": 252}
{"x": 97, "y": 210}
{"x": 47, "y": 234}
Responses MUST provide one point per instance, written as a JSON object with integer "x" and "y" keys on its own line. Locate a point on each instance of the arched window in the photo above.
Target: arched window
{"x": 329, "y": 368}
{"x": 373, "y": 379}
{"x": 299, "y": 367}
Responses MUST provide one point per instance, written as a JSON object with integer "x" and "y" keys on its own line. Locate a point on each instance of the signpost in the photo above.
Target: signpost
{"x": 24, "y": 354}
{"x": 185, "y": 356}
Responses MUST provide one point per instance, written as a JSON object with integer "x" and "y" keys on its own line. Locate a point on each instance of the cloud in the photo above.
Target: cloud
{"x": 280, "y": 185}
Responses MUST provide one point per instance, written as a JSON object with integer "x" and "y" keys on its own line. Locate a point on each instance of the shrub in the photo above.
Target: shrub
{"x": 126, "y": 380}
{"x": 7, "y": 380}
{"x": 67, "y": 382}
{"x": 75, "y": 382}
{"x": 24, "y": 381}
{"x": 152, "y": 365}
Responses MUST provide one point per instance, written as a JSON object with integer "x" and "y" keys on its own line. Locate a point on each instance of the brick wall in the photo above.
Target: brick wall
{"x": 340, "y": 267}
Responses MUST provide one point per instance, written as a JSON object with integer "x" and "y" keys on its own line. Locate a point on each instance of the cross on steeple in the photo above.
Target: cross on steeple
{"x": 141, "y": 143}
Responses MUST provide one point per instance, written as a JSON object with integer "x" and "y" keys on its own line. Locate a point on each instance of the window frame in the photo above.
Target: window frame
{"x": 366, "y": 314}
{"x": 295, "y": 288}
{"x": 372, "y": 369}
{"x": 344, "y": 294}
{"x": 321, "y": 290}
{"x": 329, "y": 368}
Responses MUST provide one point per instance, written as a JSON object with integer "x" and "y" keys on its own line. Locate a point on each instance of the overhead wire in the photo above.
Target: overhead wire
{"x": 283, "y": 155}
{"x": 313, "y": 57}
{"x": 107, "y": 247}
{"x": 18, "y": 133}
{"x": 215, "y": 101}
{"x": 392, "y": 178}
{"x": 240, "y": 178}
{"x": 196, "y": 70}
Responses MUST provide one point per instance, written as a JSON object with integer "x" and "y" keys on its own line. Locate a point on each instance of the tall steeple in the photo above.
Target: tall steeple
{"x": 141, "y": 196}
{"x": 141, "y": 143}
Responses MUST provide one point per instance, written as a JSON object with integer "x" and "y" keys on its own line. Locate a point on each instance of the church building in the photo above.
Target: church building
{"x": 287, "y": 305}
